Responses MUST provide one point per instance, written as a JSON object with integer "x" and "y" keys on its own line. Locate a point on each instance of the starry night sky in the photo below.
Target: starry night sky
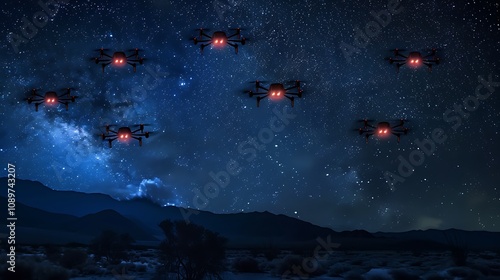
{"x": 317, "y": 168}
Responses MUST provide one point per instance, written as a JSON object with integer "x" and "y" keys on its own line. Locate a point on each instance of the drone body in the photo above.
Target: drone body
{"x": 118, "y": 59}
{"x": 219, "y": 39}
{"x": 414, "y": 59}
{"x": 276, "y": 92}
{"x": 383, "y": 129}
{"x": 51, "y": 98}
{"x": 124, "y": 134}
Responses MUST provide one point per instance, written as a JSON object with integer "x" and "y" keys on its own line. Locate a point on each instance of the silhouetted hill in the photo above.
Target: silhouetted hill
{"x": 478, "y": 240}
{"x": 48, "y": 213}
{"x": 93, "y": 224}
{"x": 31, "y": 219}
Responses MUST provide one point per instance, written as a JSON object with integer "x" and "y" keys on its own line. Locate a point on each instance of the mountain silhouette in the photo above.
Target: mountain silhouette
{"x": 50, "y": 216}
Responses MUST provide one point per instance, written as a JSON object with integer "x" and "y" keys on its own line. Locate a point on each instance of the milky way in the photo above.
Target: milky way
{"x": 316, "y": 168}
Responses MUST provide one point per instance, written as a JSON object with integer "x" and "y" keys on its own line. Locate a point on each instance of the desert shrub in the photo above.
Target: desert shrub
{"x": 353, "y": 276}
{"x": 123, "y": 270}
{"x": 290, "y": 261}
{"x": 271, "y": 253}
{"x": 92, "y": 269}
{"x": 287, "y": 263}
{"x": 464, "y": 273}
{"x": 338, "y": 269}
{"x": 246, "y": 265}
{"x": 191, "y": 251}
{"x": 52, "y": 253}
{"x": 112, "y": 246}
{"x": 416, "y": 263}
{"x": 435, "y": 276}
{"x": 403, "y": 274}
{"x": 458, "y": 248}
{"x": 73, "y": 258}
{"x": 459, "y": 256}
{"x": 51, "y": 272}
{"x": 24, "y": 270}
{"x": 357, "y": 262}
{"x": 141, "y": 268}
{"x": 417, "y": 252}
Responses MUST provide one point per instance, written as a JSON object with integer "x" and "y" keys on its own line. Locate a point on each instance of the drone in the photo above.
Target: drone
{"x": 219, "y": 39}
{"x": 414, "y": 59}
{"x": 51, "y": 98}
{"x": 119, "y": 58}
{"x": 125, "y": 133}
{"x": 276, "y": 92}
{"x": 383, "y": 129}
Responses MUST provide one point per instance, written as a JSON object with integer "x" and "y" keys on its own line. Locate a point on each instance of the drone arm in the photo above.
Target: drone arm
{"x": 203, "y": 46}
{"x": 138, "y": 139}
{"x": 237, "y": 33}
{"x": 429, "y": 65}
{"x": 295, "y": 86}
{"x": 299, "y": 94}
{"x": 104, "y": 65}
{"x": 398, "y": 65}
{"x": 203, "y": 34}
{"x": 261, "y": 87}
{"x": 134, "y": 65}
{"x": 235, "y": 46}
{"x": 65, "y": 103}
{"x": 367, "y": 135}
{"x": 398, "y": 125}
{"x": 292, "y": 99}
{"x": 397, "y": 135}
{"x": 259, "y": 98}
{"x": 136, "y": 54}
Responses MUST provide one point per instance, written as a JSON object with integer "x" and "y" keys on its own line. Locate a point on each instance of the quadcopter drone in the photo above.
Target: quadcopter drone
{"x": 124, "y": 134}
{"x": 219, "y": 39}
{"x": 276, "y": 92}
{"x": 414, "y": 59}
{"x": 118, "y": 58}
{"x": 383, "y": 129}
{"x": 51, "y": 98}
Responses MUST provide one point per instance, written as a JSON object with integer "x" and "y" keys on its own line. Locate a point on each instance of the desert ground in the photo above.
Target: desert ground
{"x": 258, "y": 264}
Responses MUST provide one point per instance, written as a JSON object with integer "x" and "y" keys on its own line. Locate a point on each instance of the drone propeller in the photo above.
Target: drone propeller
{"x": 149, "y": 133}
{"x": 108, "y": 126}
{"x": 400, "y": 120}
{"x": 68, "y": 89}
{"x": 433, "y": 49}
{"x": 365, "y": 120}
{"x": 259, "y": 81}
{"x": 101, "y": 49}
{"x": 249, "y": 92}
{"x": 141, "y": 124}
